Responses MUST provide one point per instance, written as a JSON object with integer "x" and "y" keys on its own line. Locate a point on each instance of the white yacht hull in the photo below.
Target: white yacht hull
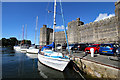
{"x": 24, "y": 49}
{"x": 56, "y": 63}
{"x": 34, "y": 51}
{"x": 33, "y": 56}
{"x": 17, "y": 48}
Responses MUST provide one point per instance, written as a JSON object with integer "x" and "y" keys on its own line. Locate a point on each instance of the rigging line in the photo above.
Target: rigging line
{"x": 46, "y": 15}
{"x": 64, "y": 27}
{"x": 47, "y": 6}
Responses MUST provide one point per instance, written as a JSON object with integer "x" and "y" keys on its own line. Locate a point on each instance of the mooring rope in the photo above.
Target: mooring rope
{"x": 79, "y": 73}
{"x": 78, "y": 70}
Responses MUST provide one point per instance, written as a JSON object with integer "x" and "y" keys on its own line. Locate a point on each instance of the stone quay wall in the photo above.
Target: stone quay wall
{"x": 97, "y": 70}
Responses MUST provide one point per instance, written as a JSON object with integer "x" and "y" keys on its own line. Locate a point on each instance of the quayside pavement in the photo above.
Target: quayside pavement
{"x": 98, "y": 58}
{"x": 100, "y": 66}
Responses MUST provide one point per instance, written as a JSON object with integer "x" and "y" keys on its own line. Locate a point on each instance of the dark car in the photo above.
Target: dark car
{"x": 79, "y": 47}
{"x": 64, "y": 46}
{"x": 70, "y": 46}
{"x": 58, "y": 46}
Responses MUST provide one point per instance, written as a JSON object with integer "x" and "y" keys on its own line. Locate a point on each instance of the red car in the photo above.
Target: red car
{"x": 96, "y": 48}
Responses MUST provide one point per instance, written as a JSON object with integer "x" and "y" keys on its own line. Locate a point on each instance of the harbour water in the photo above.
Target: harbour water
{"x": 25, "y": 65}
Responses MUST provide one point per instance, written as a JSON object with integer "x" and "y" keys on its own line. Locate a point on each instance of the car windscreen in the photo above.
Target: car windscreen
{"x": 105, "y": 45}
{"x": 92, "y": 46}
{"x": 71, "y": 44}
{"x": 58, "y": 45}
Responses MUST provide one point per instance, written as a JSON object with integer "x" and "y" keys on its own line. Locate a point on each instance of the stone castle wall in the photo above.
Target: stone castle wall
{"x": 59, "y": 37}
{"x": 73, "y": 31}
{"x": 104, "y": 31}
{"x": 117, "y": 14}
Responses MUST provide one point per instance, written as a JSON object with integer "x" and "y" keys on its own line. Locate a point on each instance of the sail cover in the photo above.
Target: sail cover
{"x": 49, "y": 46}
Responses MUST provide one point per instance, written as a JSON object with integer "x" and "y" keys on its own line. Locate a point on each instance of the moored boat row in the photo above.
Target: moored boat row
{"x": 26, "y": 49}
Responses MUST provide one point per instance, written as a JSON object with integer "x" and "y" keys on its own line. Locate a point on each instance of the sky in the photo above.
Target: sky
{"x": 15, "y": 15}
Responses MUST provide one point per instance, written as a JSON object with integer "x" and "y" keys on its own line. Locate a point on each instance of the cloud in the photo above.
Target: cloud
{"x": 104, "y": 16}
{"x": 60, "y": 27}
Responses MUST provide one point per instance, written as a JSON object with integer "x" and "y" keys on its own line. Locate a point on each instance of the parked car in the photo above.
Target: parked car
{"x": 70, "y": 46}
{"x": 94, "y": 46}
{"x": 58, "y": 46}
{"x": 64, "y": 46}
{"x": 108, "y": 49}
{"x": 118, "y": 51}
{"x": 80, "y": 47}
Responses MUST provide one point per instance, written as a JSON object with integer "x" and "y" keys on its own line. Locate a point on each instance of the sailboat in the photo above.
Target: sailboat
{"x": 49, "y": 57}
{"x": 19, "y": 47}
{"x": 34, "y": 49}
{"x": 25, "y": 45}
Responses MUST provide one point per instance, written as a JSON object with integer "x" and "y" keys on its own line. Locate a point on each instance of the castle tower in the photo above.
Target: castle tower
{"x": 117, "y": 14}
{"x": 117, "y": 8}
{"x": 73, "y": 30}
{"x": 45, "y": 35}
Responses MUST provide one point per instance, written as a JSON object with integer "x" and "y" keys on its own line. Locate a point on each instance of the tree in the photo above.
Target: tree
{"x": 13, "y": 41}
{"x": 4, "y": 42}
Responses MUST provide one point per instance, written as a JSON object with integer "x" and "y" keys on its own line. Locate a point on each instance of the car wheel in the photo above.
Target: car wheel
{"x": 96, "y": 52}
{"x": 115, "y": 54}
{"x": 75, "y": 51}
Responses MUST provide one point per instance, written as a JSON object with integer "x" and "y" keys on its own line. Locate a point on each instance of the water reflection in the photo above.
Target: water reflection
{"x": 19, "y": 66}
{"x": 47, "y": 72}
{"x": 33, "y": 56}
{"x": 25, "y": 65}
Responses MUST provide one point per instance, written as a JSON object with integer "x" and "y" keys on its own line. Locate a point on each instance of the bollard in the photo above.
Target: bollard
{"x": 92, "y": 52}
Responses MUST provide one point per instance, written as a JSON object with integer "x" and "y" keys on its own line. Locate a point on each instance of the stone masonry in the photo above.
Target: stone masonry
{"x": 117, "y": 14}
{"x": 103, "y": 31}
{"x": 59, "y": 37}
{"x": 73, "y": 31}
{"x": 45, "y": 35}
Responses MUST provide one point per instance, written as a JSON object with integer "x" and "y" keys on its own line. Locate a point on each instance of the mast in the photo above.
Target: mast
{"x": 54, "y": 22}
{"x": 26, "y": 31}
{"x": 23, "y": 34}
{"x": 36, "y": 29}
